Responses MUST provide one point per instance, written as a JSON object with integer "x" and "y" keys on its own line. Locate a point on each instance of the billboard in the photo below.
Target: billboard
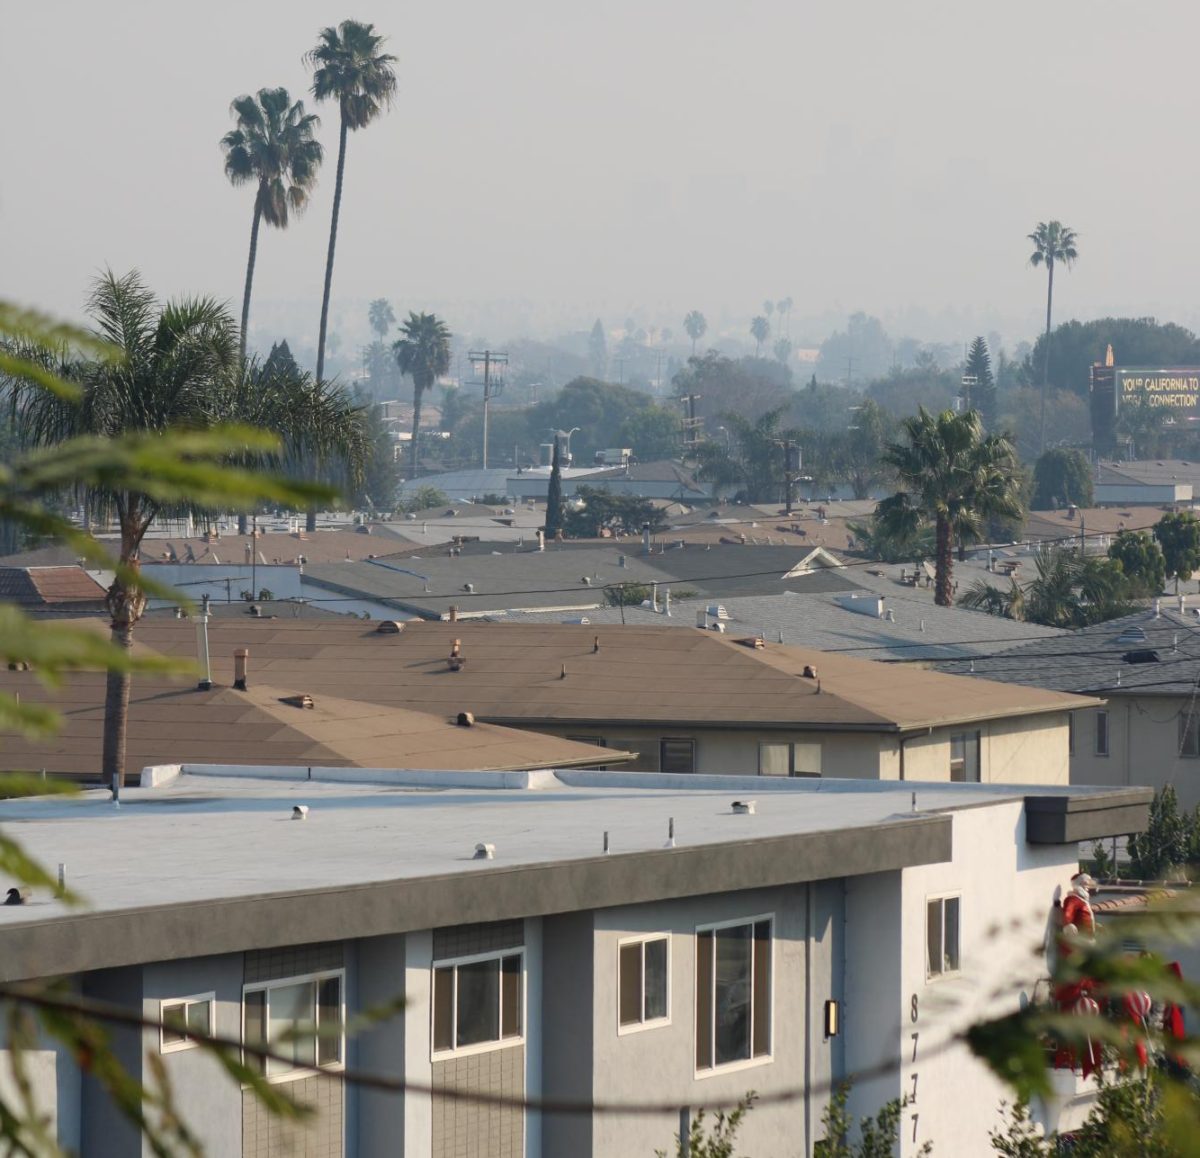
{"x": 1175, "y": 390}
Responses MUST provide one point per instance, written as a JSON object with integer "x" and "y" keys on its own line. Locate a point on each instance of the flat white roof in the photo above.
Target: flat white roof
{"x": 211, "y": 835}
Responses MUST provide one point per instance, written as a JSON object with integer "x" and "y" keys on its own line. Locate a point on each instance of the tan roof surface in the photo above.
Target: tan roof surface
{"x": 1093, "y": 521}
{"x": 172, "y": 725}
{"x": 513, "y": 673}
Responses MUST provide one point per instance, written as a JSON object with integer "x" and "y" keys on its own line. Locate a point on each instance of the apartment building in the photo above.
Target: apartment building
{"x": 570, "y": 937}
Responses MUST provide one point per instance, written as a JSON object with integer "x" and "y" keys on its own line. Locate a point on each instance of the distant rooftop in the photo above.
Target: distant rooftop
{"x": 50, "y": 587}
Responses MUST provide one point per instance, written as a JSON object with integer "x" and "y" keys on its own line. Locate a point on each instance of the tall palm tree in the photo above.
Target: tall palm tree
{"x": 954, "y": 478}
{"x": 272, "y": 146}
{"x": 1053, "y": 243}
{"x": 348, "y": 67}
{"x": 760, "y": 329}
{"x": 173, "y": 361}
{"x": 424, "y": 355}
{"x": 381, "y": 316}
{"x": 695, "y": 324}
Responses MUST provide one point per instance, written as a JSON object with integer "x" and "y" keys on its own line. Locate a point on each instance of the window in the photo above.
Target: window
{"x": 941, "y": 936}
{"x": 789, "y": 759}
{"x": 1101, "y": 733}
{"x": 666, "y": 755}
{"x": 182, "y": 1017}
{"x": 302, "y": 1018}
{"x": 677, "y": 756}
{"x": 1189, "y": 734}
{"x": 1070, "y": 733}
{"x": 647, "y": 755}
{"x": 642, "y": 985}
{"x": 964, "y": 757}
{"x": 733, "y": 993}
{"x": 477, "y": 1002}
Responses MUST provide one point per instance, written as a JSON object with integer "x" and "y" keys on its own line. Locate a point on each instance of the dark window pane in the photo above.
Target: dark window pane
{"x": 950, "y": 953}
{"x": 629, "y": 983}
{"x": 198, "y": 1016}
{"x": 255, "y": 1005}
{"x": 933, "y": 937}
{"x": 704, "y": 1004}
{"x": 510, "y": 1003}
{"x": 732, "y": 994}
{"x": 1101, "y": 733}
{"x": 762, "y": 988}
{"x": 174, "y": 1019}
{"x": 443, "y": 1008}
{"x": 678, "y": 756}
{"x": 329, "y": 1021}
{"x": 655, "y": 979}
{"x": 478, "y": 1003}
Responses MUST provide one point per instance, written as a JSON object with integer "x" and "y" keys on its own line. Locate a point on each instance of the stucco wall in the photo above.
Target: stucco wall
{"x": 212, "y": 1106}
{"x": 1002, "y": 932}
{"x": 1143, "y": 745}
{"x": 104, "y": 1131}
{"x": 662, "y": 1059}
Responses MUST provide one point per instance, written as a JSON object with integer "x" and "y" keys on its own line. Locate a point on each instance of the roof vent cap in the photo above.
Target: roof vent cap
{"x": 465, "y": 719}
{"x": 484, "y": 851}
{"x": 745, "y": 807}
{"x": 303, "y": 700}
{"x": 300, "y": 812}
{"x": 389, "y": 627}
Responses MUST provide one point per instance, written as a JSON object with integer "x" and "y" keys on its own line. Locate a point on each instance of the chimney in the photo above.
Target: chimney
{"x": 205, "y": 682}
{"x": 241, "y": 662}
{"x": 702, "y": 619}
{"x": 453, "y": 613}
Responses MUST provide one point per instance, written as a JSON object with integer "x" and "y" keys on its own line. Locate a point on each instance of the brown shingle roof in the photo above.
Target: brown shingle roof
{"x": 513, "y": 674}
{"x": 49, "y": 586}
{"x": 172, "y": 725}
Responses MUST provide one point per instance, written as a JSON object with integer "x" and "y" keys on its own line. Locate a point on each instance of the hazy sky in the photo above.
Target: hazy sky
{"x": 551, "y": 160}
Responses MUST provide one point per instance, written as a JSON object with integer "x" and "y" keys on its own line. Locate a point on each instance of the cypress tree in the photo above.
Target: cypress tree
{"x": 983, "y": 393}
{"x": 554, "y": 501}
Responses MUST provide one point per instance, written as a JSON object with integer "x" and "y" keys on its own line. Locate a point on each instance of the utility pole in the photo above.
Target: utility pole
{"x": 489, "y": 359}
{"x": 968, "y": 380}
{"x": 692, "y": 426}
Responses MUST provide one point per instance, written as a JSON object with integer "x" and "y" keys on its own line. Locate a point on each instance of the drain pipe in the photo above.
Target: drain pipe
{"x": 205, "y": 683}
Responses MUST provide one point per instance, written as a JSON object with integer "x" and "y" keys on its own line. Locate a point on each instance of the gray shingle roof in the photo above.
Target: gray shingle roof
{"x": 1139, "y": 654}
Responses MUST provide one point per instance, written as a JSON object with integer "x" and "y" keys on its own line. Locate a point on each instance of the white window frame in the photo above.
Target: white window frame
{"x": 299, "y": 1072}
{"x": 165, "y": 1046}
{"x": 942, "y": 898}
{"x": 644, "y": 939}
{"x": 790, "y": 745}
{"x": 744, "y": 1063}
{"x": 481, "y": 1046}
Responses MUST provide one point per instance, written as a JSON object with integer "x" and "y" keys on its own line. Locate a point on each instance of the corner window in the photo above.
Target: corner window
{"x": 302, "y": 1019}
{"x": 642, "y": 984}
{"x": 801, "y": 759}
{"x": 183, "y": 1017}
{"x": 942, "y": 936}
{"x": 1189, "y": 735}
{"x": 1102, "y": 733}
{"x": 733, "y": 993}
{"x": 964, "y": 757}
{"x": 477, "y": 1003}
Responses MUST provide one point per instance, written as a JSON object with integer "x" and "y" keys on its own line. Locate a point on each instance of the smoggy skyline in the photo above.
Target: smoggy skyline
{"x": 547, "y": 163}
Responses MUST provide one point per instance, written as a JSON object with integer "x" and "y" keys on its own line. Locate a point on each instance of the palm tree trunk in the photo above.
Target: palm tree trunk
{"x": 1046, "y": 352}
{"x": 943, "y": 564}
{"x": 250, "y": 271}
{"x": 418, "y": 391}
{"x": 116, "y": 712}
{"x": 333, "y": 227}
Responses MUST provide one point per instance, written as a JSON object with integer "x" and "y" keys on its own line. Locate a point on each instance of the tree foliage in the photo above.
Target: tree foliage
{"x": 598, "y": 509}
{"x": 1178, "y": 534}
{"x": 1061, "y": 477}
{"x": 1068, "y": 591}
{"x": 751, "y": 464}
{"x": 1170, "y": 841}
{"x": 1141, "y": 561}
{"x": 953, "y": 478}
{"x": 878, "y": 1137}
{"x": 712, "y": 1141}
{"x": 554, "y": 497}
{"x": 695, "y": 325}
{"x": 983, "y": 392}
{"x": 423, "y": 353}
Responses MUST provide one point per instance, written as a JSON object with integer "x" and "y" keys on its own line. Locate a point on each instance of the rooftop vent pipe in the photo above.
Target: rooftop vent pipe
{"x": 205, "y": 683}
{"x": 241, "y": 662}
